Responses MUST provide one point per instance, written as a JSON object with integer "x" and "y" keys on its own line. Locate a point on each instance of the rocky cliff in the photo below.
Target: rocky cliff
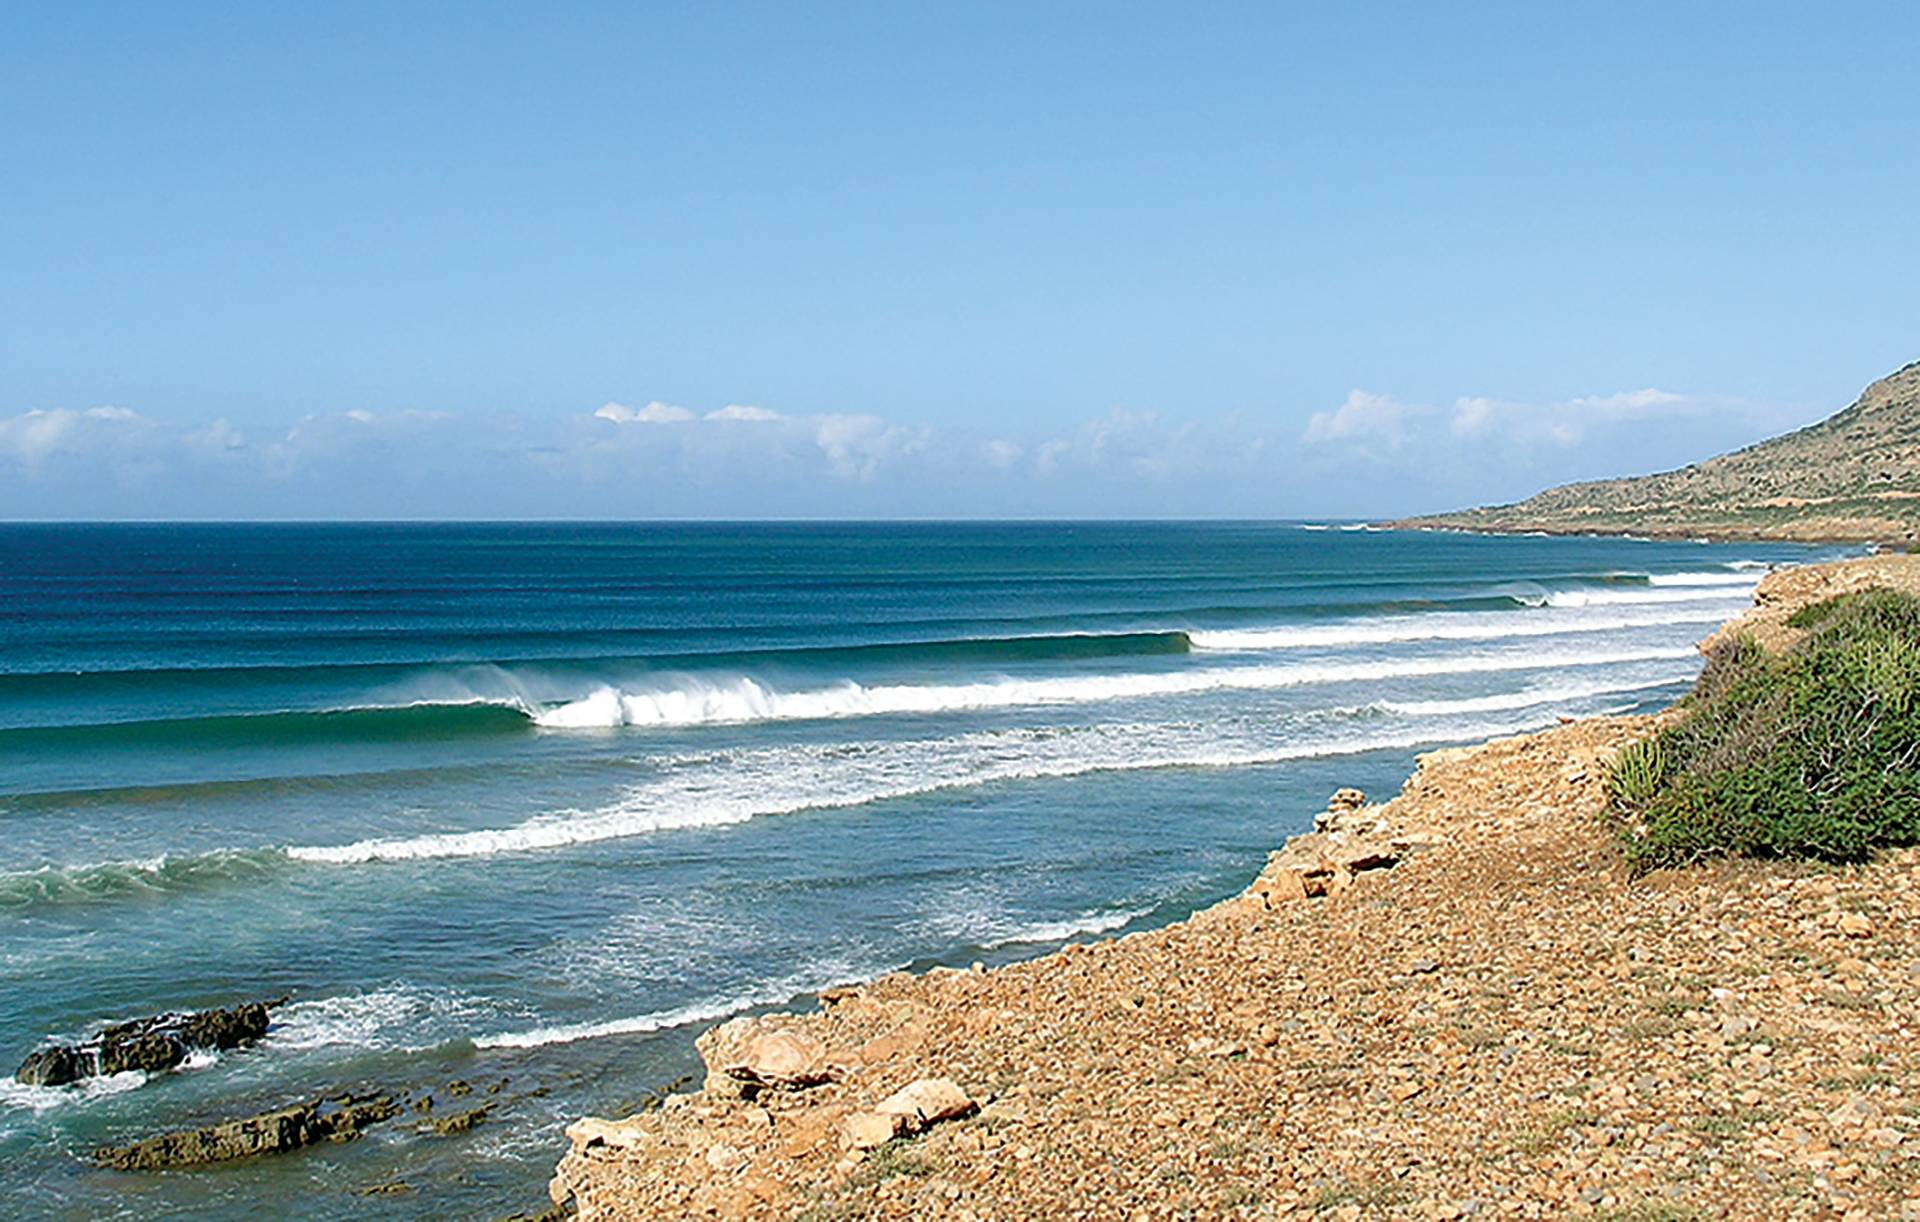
{"x": 1854, "y": 477}
{"x": 1455, "y": 1003}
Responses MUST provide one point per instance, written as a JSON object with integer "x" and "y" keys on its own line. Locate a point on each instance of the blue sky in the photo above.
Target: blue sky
{"x": 423, "y": 261}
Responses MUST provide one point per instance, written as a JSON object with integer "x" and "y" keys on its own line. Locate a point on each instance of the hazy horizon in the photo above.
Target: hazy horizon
{"x": 758, "y": 263}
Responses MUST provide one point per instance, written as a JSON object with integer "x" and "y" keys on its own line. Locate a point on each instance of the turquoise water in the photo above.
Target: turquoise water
{"x": 536, "y": 802}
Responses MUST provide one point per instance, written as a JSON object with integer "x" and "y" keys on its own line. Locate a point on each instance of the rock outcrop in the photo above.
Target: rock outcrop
{"x": 1785, "y": 591}
{"x": 149, "y": 1044}
{"x": 273, "y": 1132}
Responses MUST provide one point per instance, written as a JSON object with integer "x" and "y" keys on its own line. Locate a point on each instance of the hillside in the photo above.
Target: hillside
{"x": 1854, "y": 476}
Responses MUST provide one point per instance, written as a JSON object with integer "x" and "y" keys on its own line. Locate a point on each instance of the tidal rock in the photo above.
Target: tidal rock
{"x": 273, "y": 1132}
{"x": 54, "y": 1066}
{"x": 461, "y": 1122}
{"x": 149, "y": 1044}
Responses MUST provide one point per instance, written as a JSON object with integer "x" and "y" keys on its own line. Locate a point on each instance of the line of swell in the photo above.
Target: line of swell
{"x": 418, "y": 722}
{"x": 1043, "y": 647}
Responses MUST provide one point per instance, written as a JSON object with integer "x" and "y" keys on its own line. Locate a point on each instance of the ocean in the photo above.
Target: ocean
{"x": 535, "y": 803}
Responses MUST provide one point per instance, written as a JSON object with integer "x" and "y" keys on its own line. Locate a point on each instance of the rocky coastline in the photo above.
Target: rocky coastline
{"x": 1456, "y": 1003}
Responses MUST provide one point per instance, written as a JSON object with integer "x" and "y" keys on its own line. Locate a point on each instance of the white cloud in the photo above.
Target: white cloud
{"x": 218, "y": 437}
{"x": 1630, "y": 403}
{"x": 655, "y": 412}
{"x": 1568, "y": 422}
{"x": 32, "y": 437}
{"x": 744, "y": 412}
{"x": 855, "y": 446}
{"x": 1364, "y": 417}
{"x": 1001, "y": 453}
{"x": 1472, "y": 416}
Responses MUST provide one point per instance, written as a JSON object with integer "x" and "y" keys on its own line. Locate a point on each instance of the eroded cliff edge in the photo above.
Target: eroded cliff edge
{"x": 1452, "y": 1004}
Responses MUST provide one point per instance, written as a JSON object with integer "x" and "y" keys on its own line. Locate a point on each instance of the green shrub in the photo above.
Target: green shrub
{"x": 1811, "y": 753}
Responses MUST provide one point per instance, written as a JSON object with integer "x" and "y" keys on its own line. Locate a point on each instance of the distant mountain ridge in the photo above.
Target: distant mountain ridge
{"x": 1854, "y": 476}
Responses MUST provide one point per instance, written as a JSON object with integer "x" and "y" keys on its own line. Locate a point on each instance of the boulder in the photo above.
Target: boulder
{"x": 869, "y": 1130}
{"x": 1343, "y": 802}
{"x": 927, "y": 1102}
{"x": 748, "y": 1055}
{"x": 55, "y": 1066}
{"x": 148, "y": 1044}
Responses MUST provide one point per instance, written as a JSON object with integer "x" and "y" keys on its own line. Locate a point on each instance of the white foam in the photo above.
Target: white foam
{"x": 392, "y": 1017}
{"x": 1524, "y": 699}
{"x": 789, "y": 780}
{"x": 746, "y": 700}
{"x": 705, "y": 1011}
{"x": 1646, "y": 594}
{"x": 1098, "y": 921}
{"x": 37, "y": 1099}
{"x": 1405, "y": 628}
{"x": 1702, "y": 579}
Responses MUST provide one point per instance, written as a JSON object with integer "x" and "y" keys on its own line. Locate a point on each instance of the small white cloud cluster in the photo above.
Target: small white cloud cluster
{"x": 1365, "y": 419}
{"x": 1569, "y": 422}
{"x": 657, "y": 412}
{"x": 34, "y": 437}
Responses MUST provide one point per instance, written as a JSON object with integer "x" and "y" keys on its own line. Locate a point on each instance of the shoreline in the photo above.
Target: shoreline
{"x": 1441, "y": 524}
{"x": 802, "y": 1112}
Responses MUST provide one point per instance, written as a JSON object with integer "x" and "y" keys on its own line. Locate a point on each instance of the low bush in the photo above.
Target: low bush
{"x": 1814, "y": 752}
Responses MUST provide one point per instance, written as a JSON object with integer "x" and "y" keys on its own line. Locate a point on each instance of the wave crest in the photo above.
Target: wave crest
{"x": 746, "y": 700}
{"x": 115, "y": 880}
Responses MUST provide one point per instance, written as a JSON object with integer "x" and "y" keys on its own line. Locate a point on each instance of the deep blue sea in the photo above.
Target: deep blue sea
{"x": 538, "y": 802}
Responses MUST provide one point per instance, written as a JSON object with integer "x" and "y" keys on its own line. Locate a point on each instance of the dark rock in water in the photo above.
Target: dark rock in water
{"x": 461, "y": 1122}
{"x": 150, "y": 1044}
{"x": 286, "y": 1128}
{"x": 388, "y": 1189}
{"x": 552, "y": 1213}
{"x": 54, "y": 1066}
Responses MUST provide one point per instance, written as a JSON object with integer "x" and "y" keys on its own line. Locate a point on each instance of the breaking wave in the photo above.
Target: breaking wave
{"x": 747, "y": 700}
{"x": 1410, "y": 628}
{"x": 116, "y": 880}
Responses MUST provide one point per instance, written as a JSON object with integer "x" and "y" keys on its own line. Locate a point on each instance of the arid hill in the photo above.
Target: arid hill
{"x": 1854, "y": 476}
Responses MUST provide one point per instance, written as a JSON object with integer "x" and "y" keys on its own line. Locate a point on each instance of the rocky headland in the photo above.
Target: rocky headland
{"x": 1457, "y": 1003}
{"x": 1853, "y": 477}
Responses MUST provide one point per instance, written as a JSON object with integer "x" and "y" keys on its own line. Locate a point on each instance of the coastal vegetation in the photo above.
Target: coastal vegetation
{"x": 1813, "y": 751}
